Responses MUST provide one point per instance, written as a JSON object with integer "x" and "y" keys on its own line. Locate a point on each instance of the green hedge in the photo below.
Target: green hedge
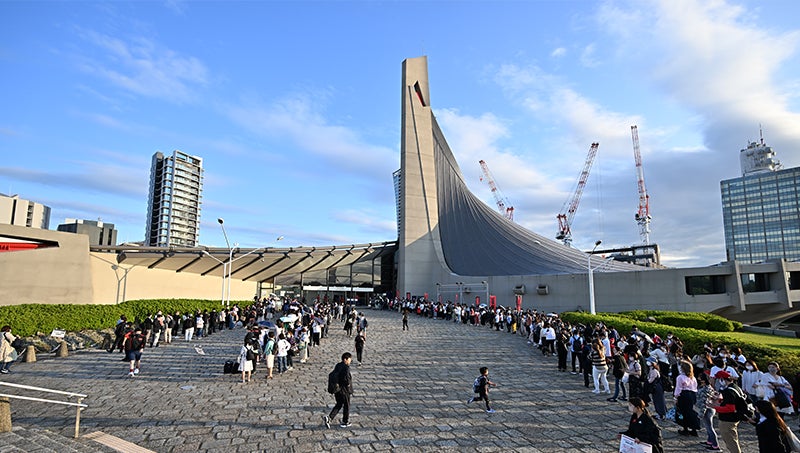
{"x": 693, "y": 339}
{"x": 700, "y": 321}
{"x": 28, "y": 319}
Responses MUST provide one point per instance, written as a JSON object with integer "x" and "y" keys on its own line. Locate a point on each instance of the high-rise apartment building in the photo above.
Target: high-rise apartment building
{"x": 16, "y": 211}
{"x": 761, "y": 209}
{"x": 173, "y": 207}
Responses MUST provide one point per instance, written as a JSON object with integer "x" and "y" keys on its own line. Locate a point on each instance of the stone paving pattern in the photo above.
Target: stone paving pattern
{"x": 410, "y": 395}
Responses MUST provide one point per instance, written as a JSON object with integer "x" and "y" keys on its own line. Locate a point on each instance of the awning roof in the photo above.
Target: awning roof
{"x": 252, "y": 264}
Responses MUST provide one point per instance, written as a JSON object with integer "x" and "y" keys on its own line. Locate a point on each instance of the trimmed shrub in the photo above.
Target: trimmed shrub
{"x": 28, "y": 319}
{"x": 701, "y": 321}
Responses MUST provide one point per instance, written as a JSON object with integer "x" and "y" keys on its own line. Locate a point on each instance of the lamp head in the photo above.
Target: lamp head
{"x": 595, "y": 244}
{"x": 220, "y": 220}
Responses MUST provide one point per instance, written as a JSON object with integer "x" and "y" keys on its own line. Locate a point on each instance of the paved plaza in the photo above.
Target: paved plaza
{"x": 410, "y": 395}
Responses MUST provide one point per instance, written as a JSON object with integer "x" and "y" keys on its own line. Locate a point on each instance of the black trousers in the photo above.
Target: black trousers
{"x": 343, "y": 403}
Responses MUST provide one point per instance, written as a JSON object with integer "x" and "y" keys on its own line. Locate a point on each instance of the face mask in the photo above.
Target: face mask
{"x": 773, "y": 370}
{"x": 749, "y": 368}
{"x": 723, "y": 355}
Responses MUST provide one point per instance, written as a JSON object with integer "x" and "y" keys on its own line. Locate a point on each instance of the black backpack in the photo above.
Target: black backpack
{"x": 744, "y": 409}
{"x": 137, "y": 341}
{"x": 476, "y": 386}
{"x": 333, "y": 381}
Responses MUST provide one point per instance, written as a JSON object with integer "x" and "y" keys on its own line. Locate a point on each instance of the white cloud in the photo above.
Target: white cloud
{"x": 558, "y": 52}
{"x": 300, "y": 121}
{"x": 143, "y": 67}
{"x": 588, "y": 58}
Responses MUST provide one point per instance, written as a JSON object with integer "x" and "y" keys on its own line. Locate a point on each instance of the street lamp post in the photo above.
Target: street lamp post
{"x": 592, "y": 309}
{"x": 224, "y": 273}
{"x": 591, "y": 278}
{"x": 221, "y": 222}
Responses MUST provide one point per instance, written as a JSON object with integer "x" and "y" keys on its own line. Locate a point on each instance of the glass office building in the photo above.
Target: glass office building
{"x": 176, "y": 185}
{"x": 761, "y": 209}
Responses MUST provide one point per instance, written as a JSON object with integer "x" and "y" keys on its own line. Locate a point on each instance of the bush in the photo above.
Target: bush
{"x": 694, "y": 339}
{"x": 28, "y": 319}
{"x": 700, "y": 321}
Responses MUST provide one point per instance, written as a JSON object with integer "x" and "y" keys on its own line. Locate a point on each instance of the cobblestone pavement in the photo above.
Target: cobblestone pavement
{"x": 410, "y": 395}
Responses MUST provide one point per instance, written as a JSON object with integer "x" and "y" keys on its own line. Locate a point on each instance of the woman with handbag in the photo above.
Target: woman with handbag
{"x": 776, "y": 389}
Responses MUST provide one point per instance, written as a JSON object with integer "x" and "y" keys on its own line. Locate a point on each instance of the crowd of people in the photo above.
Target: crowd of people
{"x": 647, "y": 371}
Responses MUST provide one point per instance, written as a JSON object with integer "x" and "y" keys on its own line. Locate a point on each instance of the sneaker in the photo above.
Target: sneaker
{"x": 327, "y": 421}
{"x": 469, "y": 400}
{"x": 345, "y": 425}
{"x": 131, "y": 374}
{"x": 4, "y": 371}
{"x": 574, "y": 372}
{"x": 712, "y": 447}
{"x": 136, "y": 371}
{"x": 611, "y": 400}
{"x": 623, "y": 398}
{"x": 595, "y": 391}
{"x": 490, "y": 411}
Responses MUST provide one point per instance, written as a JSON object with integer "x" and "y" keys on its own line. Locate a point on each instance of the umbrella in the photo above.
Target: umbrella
{"x": 289, "y": 318}
{"x": 268, "y": 324}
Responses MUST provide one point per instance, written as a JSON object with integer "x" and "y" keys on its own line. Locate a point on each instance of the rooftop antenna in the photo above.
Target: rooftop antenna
{"x": 761, "y": 133}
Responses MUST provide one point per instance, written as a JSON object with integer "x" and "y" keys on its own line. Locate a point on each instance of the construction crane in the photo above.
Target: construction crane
{"x": 643, "y": 214}
{"x": 503, "y": 205}
{"x": 571, "y": 205}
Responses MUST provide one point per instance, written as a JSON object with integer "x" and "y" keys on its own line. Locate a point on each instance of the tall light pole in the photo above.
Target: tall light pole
{"x": 591, "y": 278}
{"x": 221, "y": 222}
{"x": 224, "y": 271}
{"x": 591, "y": 275}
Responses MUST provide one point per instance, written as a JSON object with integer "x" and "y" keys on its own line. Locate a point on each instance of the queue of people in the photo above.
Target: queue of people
{"x": 716, "y": 382}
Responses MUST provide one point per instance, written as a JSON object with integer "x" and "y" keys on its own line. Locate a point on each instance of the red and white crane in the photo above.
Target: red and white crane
{"x": 571, "y": 205}
{"x": 503, "y": 205}
{"x": 643, "y": 214}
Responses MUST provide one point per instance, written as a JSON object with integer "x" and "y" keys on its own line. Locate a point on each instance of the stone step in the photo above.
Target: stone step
{"x": 27, "y": 440}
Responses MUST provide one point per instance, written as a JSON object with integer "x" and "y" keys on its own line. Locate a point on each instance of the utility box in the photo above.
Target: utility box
{"x": 542, "y": 290}
{"x": 519, "y": 290}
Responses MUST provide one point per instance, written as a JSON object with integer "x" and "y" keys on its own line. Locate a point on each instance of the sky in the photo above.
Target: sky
{"x": 295, "y": 109}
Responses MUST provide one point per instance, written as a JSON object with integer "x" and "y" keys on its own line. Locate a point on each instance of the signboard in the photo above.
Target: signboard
{"x": 57, "y": 333}
{"x": 629, "y": 445}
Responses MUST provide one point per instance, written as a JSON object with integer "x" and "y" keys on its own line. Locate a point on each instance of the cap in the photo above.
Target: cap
{"x": 722, "y": 374}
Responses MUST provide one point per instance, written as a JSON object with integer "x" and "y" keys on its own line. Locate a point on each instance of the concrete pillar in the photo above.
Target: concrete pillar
{"x": 63, "y": 350}
{"x": 5, "y": 415}
{"x": 30, "y": 354}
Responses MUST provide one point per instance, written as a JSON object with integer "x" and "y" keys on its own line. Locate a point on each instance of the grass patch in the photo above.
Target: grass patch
{"x": 775, "y": 341}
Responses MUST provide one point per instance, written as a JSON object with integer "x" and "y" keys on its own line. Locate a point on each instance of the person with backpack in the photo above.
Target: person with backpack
{"x": 576, "y": 346}
{"x": 8, "y": 354}
{"x": 732, "y": 409}
{"x": 481, "y": 387}
{"x": 618, "y": 368}
{"x": 340, "y": 383}
{"x": 134, "y": 345}
{"x": 119, "y": 333}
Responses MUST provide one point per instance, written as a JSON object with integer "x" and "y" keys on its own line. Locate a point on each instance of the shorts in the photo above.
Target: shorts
{"x": 271, "y": 361}
{"x": 133, "y": 355}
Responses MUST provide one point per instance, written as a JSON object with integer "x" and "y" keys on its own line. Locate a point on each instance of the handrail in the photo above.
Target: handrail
{"x": 42, "y": 389}
{"x": 79, "y": 406}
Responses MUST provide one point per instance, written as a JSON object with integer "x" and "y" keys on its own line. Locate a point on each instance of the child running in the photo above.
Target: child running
{"x": 481, "y": 387}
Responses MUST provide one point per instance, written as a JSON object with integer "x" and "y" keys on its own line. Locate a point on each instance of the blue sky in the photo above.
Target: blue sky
{"x": 295, "y": 109}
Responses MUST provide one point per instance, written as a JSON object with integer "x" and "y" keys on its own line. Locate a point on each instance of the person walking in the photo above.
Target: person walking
{"x": 481, "y": 388}
{"x": 361, "y": 339}
{"x": 685, "y": 397}
{"x": 405, "y": 319}
{"x": 345, "y": 381}
{"x": 730, "y": 410}
{"x": 246, "y": 357}
{"x": 134, "y": 345}
{"x": 599, "y": 368}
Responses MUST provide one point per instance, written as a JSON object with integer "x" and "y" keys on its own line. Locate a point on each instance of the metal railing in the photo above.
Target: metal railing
{"x": 79, "y": 406}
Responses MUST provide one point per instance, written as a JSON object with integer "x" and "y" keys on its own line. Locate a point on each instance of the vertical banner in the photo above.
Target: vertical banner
{"x": 519, "y": 302}
{"x": 426, "y": 296}
{"x": 492, "y": 302}
{"x": 408, "y": 296}
{"x": 477, "y": 300}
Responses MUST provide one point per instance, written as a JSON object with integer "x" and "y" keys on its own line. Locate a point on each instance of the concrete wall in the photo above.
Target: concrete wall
{"x": 114, "y": 283}
{"x": 69, "y": 274}
{"x": 51, "y": 275}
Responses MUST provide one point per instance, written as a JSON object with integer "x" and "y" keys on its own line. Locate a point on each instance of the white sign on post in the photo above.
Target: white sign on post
{"x": 629, "y": 445}
{"x": 58, "y": 333}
